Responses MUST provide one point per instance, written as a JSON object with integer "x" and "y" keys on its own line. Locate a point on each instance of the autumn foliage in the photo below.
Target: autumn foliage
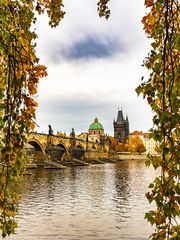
{"x": 135, "y": 145}
{"x": 162, "y": 91}
{"x": 116, "y": 145}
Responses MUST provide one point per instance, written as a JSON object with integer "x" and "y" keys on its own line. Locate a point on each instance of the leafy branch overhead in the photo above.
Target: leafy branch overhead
{"x": 162, "y": 90}
{"x": 20, "y": 72}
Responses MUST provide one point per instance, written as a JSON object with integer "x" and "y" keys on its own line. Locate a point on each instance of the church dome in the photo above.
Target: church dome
{"x": 96, "y": 125}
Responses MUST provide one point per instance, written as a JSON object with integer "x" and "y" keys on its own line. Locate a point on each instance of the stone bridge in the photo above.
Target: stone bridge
{"x": 60, "y": 148}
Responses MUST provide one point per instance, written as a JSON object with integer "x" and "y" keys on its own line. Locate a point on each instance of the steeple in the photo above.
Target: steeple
{"x": 120, "y": 116}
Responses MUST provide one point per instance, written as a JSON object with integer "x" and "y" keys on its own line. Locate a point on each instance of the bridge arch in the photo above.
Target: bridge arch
{"x": 36, "y": 144}
{"x": 66, "y": 154}
{"x": 37, "y": 151}
{"x": 80, "y": 146}
{"x": 77, "y": 152}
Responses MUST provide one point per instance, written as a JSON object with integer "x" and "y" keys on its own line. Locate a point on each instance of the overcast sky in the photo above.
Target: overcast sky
{"x": 94, "y": 66}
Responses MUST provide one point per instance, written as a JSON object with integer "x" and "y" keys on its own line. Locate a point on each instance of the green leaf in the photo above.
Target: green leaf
{"x": 139, "y": 90}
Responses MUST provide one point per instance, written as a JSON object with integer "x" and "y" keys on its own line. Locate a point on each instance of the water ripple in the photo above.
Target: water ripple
{"x": 93, "y": 203}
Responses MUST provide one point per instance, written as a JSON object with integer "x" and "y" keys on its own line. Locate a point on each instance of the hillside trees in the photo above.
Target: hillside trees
{"x": 20, "y": 72}
{"x": 162, "y": 89}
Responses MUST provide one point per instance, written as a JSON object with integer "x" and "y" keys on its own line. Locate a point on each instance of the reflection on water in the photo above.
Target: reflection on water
{"x": 97, "y": 202}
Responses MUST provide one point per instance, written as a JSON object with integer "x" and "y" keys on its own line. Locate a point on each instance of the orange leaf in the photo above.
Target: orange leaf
{"x": 149, "y": 3}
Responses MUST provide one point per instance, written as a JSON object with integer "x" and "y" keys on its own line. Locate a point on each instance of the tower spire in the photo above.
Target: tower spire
{"x": 120, "y": 117}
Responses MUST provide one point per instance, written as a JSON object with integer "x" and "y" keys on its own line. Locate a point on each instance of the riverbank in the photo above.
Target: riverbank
{"x": 76, "y": 162}
{"x": 132, "y": 156}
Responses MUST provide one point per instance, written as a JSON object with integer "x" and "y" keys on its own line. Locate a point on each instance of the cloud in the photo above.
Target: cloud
{"x": 94, "y": 66}
{"x": 63, "y": 114}
{"x": 83, "y": 31}
{"x": 79, "y": 111}
{"x": 90, "y": 48}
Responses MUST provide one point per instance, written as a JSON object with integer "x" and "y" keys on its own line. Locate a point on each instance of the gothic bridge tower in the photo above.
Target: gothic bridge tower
{"x": 121, "y": 127}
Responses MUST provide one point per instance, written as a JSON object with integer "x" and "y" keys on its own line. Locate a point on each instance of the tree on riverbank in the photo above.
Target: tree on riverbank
{"x": 132, "y": 145}
{"x": 116, "y": 145}
{"x": 135, "y": 145}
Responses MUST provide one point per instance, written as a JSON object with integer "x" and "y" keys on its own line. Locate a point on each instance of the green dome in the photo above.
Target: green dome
{"x": 96, "y": 125}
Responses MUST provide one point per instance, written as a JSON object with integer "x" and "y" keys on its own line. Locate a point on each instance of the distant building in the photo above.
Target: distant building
{"x": 121, "y": 127}
{"x": 95, "y": 131}
{"x": 136, "y": 133}
{"x": 149, "y": 143}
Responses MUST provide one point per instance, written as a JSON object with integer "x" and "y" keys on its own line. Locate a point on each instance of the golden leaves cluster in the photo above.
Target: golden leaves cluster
{"x": 103, "y": 8}
{"x": 54, "y": 9}
{"x": 20, "y": 74}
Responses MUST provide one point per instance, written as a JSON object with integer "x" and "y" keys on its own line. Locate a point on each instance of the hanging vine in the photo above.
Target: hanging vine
{"x": 20, "y": 72}
{"x": 162, "y": 90}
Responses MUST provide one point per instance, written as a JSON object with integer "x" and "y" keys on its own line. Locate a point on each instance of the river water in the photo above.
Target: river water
{"x": 96, "y": 202}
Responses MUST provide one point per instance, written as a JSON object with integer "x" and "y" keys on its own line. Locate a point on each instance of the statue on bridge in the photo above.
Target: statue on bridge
{"x": 72, "y": 134}
{"x": 50, "y": 133}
